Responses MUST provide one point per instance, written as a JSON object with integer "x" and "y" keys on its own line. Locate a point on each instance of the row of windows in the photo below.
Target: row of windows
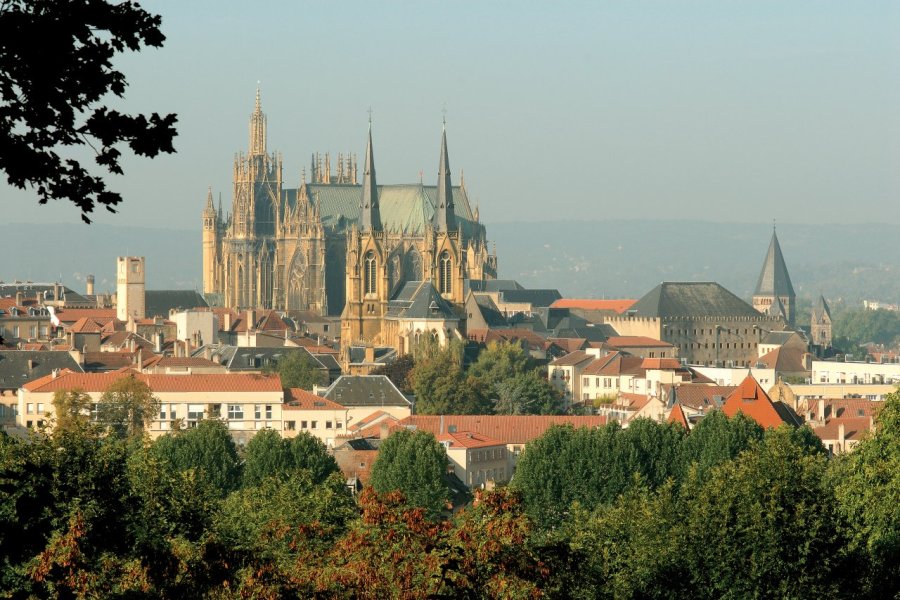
{"x": 727, "y": 345}
{"x": 370, "y": 273}
{"x": 29, "y": 408}
{"x": 722, "y": 331}
{"x": 304, "y": 425}
{"x": 607, "y": 381}
{"x": 16, "y": 331}
{"x": 492, "y": 454}
{"x": 481, "y": 476}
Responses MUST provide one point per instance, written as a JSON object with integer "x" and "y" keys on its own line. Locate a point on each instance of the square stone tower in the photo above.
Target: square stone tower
{"x": 130, "y": 287}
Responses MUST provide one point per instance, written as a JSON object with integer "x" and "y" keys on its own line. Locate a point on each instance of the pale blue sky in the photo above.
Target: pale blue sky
{"x": 726, "y": 111}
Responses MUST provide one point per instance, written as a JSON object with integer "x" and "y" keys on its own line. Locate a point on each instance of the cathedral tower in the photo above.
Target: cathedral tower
{"x": 775, "y": 284}
{"x": 210, "y": 245}
{"x": 448, "y": 256}
{"x": 130, "y": 289}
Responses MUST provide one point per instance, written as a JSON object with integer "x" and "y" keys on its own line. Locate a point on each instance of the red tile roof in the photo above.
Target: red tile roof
{"x": 468, "y": 439}
{"x": 517, "y": 429}
{"x": 700, "y": 396}
{"x": 85, "y": 325}
{"x": 661, "y": 364}
{"x": 636, "y": 341}
{"x": 98, "y": 382}
{"x": 101, "y": 315}
{"x": 570, "y": 344}
{"x": 298, "y": 399}
{"x": 618, "y": 306}
{"x": 854, "y": 428}
{"x": 598, "y": 364}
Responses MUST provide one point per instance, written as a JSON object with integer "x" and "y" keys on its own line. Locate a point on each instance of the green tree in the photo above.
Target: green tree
{"x": 441, "y": 387}
{"x": 764, "y": 525}
{"x": 299, "y": 370}
{"x": 73, "y": 409}
{"x": 717, "y": 439}
{"x": 127, "y": 406}
{"x": 527, "y": 394}
{"x": 268, "y": 454}
{"x": 414, "y": 463}
{"x": 207, "y": 449}
{"x": 51, "y": 96}
{"x": 867, "y": 482}
{"x": 496, "y": 364}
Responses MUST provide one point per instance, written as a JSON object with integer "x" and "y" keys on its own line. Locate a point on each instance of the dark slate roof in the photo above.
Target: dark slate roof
{"x": 774, "y": 279}
{"x": 690, "y": 299}
{"x": 492, "y": 285}
{"x": 14, "y": 368}
{"x": 366, "y": 390}
{"x": 157, "y": 303}
{"x": 534, "y": 297}
{"x": 362, "y": 444}
{"x": 489, "y": 312}
{"x": 779, "y": 338}
{"x": 419, "y": 300}
{"x": 246, "y": 358}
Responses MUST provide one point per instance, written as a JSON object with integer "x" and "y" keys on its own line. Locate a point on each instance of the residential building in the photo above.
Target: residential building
{"x": 304, "y": 411}
{"x": 836, "y": 372}
{"x": 475, "y": 458}
{"x": 362, "y": 395}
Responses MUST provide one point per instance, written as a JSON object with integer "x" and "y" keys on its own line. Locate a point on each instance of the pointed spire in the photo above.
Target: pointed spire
{"x": 777, "y": 309}
{"x": 210, "y": 210}
{"x": 257, "y": 127}
{"x": 370, "y": 213}
{"x": 820, "y": 310}
{"x": 444, "y": 214}
{"x": 774, "y": 279}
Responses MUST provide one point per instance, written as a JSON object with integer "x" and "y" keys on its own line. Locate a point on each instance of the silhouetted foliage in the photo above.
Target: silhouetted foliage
{"x": 56, "y": 68}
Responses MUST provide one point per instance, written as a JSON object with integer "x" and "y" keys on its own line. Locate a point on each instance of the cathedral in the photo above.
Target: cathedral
{"x": 337, "y": 245}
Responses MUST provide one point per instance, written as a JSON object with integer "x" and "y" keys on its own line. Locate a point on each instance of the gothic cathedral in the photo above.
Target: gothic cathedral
{"x": 334, "y": 246}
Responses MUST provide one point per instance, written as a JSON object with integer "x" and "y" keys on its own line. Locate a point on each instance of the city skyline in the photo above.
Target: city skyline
{"x": 744, "y": 112}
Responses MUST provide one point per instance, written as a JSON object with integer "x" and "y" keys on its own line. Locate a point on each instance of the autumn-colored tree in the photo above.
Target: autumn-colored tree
{"x": 72, "y": 408}
{"x": 127, "y": 406}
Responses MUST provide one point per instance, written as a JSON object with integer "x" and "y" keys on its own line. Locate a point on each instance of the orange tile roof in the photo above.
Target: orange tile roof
{"x": 468, "y": 439}
{"x": 749, "y": 398}
{"x": 85, "y": 325}
{"x": 701, "y": 396}
{"x": 618, "y": 306}
{"x": 854, "y": 428}
{"x": 298, "y": 399}
{"x": 365, "y": 422}
{"x": 98, "y": 382}
{"x": 660, "y": 364}
{"x": 515, "y": 429}
{"x": 101, "y": 315}
{"x": 598, "y": 364}
{"x": 569, "y": 344}
{"x": 677, "y": 416}
{"x": 636, "y": 341}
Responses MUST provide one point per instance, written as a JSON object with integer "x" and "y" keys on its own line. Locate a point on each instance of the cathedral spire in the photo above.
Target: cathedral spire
{"x": 210, "y": 207}
{"x": 370, "y": 213}
{"x": 257, "y": 128}
{"x": 444, "y": 215}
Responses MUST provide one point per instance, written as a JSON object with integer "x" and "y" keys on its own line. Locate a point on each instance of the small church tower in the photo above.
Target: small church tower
{"x": 820, "y": 324}
{"x": 210, "y": 245}
{"x": 774, "y": 286}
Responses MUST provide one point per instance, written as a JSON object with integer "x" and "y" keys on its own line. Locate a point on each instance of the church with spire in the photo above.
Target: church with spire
{"x": 336, "y": 245}
{"x": 774, "y": 295}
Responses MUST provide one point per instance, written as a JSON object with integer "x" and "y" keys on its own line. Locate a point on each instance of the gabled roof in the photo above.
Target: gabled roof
{"x": 784, "y": 359}
{"x": 536, "y": 298}
{"x": 617, "y": 306}
{"x": 366, "y": 390}
{"x": 661, "y": 364}
{"x": 677, "y": 416}
{"x": 85, "y": 325}
{"x": 21, "y": 366}
{"x": 492, "y": 285}
{"x": 774, "y": 279}
{"x": 703, "y": 397}
{"x": 420, "y": 300}
{"x": 854, "y": 428}
{"x": 749, "y": 398}
{"x": 691, "y": 299}
{"x": 468, "y": 439}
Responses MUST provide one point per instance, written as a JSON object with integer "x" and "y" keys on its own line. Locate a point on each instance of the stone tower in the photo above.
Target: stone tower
{"x": 447, "y": 257}
{"x": 130, "y": 288}
{"x": 820, "y": 324}
{"x": 775, "y": 283}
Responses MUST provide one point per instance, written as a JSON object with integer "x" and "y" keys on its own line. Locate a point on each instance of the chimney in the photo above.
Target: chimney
{"x": 226, "y": 321}
{"x": 841, "y": 435}
{"x": 89, "y": 285}
{"x": 20, "y": 297}
{"x": 55, "y": 292}
{"x": 384, "y": 431}
{"x": 251, "y": 319}
{"x": 370, "y": 354}
{"x": 55, "y": 373}
{"x": 441, "y": 430}
{"x": 821, "y": 404}
{"x": 30, "y": 365}
{"x": 158, "y": 347}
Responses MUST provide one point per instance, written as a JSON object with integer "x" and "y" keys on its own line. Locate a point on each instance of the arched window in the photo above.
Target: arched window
{"x": 369, "y": 275}
{"x": 445, "y": 274}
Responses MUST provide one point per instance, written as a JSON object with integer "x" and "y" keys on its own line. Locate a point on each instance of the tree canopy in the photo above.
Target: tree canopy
{"x": 414, "y": 463}
{"x": 56, "y": 71}
{"x": 127, "y": 406}
{"x": 299, "y": 370}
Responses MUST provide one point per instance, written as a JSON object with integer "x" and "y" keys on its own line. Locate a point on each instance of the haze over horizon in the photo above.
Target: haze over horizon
{"x": 689, "y": 110}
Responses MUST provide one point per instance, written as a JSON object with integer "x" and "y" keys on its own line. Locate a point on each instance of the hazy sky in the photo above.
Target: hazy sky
{"x": 728, "y": 111}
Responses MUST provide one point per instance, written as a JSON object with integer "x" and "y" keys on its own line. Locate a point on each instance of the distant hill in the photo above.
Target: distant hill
{"x": 613, "y": 258}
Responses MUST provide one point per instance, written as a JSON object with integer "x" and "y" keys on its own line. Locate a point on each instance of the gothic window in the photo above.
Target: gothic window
{"x": 412, "y": 265}
{"x": 445, "y": 275}
{"x": 298, "y": 282}
{"x": 394, "y": 272}
{"x": 370, "y": 273}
